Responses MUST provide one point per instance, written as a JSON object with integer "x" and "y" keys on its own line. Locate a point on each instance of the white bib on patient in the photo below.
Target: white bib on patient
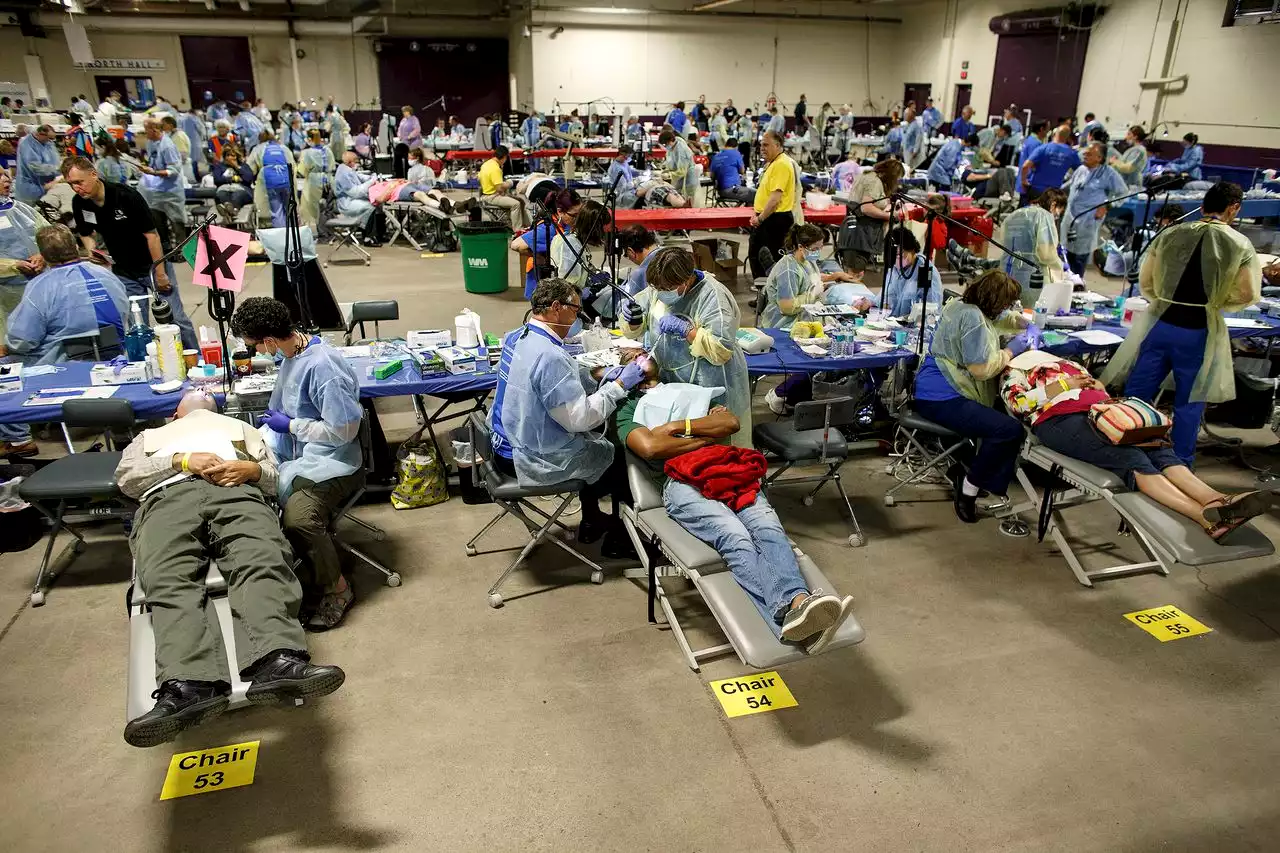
{"x": 674, "y": 401}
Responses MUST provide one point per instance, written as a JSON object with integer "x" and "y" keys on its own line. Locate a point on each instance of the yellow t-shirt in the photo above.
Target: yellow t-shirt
{"x": 779, "y": 176}
{"x": 490, "y": 176}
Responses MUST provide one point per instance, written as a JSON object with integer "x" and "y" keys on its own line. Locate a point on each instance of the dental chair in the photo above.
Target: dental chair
{"x": 517, "y": 501}
{"x": 1168, "y": 537}
{"x": 668, "y": 550}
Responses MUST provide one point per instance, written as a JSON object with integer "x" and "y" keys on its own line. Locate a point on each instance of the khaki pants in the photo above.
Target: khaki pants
{"x": 10, "y": 297}
{"x": 512, "y": 206}
{"x": 172, "y": 534}
{"x": 307, "y": 515}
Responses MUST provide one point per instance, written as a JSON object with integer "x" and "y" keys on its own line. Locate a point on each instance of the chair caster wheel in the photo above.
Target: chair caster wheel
{"x": 888, "y": 469}
{"x": 471, "y": 550}
{"x": 37, "y": 598}
{"x": 495, "y": 600}
{"x": 393, "y": 579}
{"x": 889, "y": 500}
{"x": 597, "y": 577}
{"x": 1015, "y": 527}
{"x": 807, "y": 500}
{"x": 380, "y": 535}
{"x": 857, "y": 540}
{"x": 325, "y": 265}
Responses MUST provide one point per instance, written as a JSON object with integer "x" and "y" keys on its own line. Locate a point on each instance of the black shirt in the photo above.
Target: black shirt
{"x": 802, "y": 109}
{"x": 730, "y": 114}
{"x": 123, "y": 221}
{"x": 1189, "y": 292}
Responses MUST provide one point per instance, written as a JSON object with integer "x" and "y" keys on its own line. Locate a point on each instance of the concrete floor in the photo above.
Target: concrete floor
{"x": 995, "y": 705}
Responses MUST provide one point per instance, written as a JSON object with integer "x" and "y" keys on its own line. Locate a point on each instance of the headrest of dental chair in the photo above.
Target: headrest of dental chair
{"x": 112, "y": 414}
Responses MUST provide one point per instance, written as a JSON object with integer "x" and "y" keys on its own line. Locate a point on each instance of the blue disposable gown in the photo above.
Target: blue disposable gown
{"x": 352, "y": 192}
{"x": 1030, "y": 231}
{"x": 797, "y": 282}
{"x": 893, "y": 142}
{"x": 622, "y": 177}
{"x": 18, "y": 225}
{"x": 714, "y": 358}
{"x": 542, "y": 416}
{"x": 902, "y": 287}
{"x": 198, "y": 133}
{"x": 942, "y": 171}
{"x": 164, "y": 194}
{"x": 1088, "y": 188}
{"x": 1190, "y": 162}
{"x": 636, "y": 281}
{"x": 246, "y": 128}
{"x": 37, "y": 166}
{"x": 317, "y": 389}
{"x": 65, "y": 302}
{"x": 678, "y": 168}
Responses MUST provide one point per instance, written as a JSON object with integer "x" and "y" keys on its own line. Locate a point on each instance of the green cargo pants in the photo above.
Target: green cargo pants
{"x": 306, "y": 519}
{"x": 173, "y": 533}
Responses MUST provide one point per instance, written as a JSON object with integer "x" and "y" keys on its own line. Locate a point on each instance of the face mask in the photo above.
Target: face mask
{"x": 278, "y": 355}
{"x": 813, "y": 257}
{"x": 575, "y": 329}
{"x": 668, "y": 297}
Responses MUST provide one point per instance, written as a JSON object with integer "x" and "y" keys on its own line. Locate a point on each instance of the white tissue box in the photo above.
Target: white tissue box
{"x": 10, "y": 378}
{"x": 457, "y": 360}
{"x": 429, "y": 338}
{"x": 135, "y": 372}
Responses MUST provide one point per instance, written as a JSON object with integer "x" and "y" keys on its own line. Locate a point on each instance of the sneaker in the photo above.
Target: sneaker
{"x": 446, "y": 205}
{"x": 776, "y": 404}
{"x": 181, "y": 705}
{"x": 814, "y": 615}
{"x": 819, "y": 645}
{"x": 285, "y": 675}
{"x": 19, "y": 448}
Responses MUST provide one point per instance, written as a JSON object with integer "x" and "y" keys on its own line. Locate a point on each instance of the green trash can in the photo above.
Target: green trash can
{"x": 484, "y": 256}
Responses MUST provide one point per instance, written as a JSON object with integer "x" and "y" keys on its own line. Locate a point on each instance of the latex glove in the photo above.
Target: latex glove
{"x": 632, "y": 313}
{"x": 632, "y": 374}
{"x": 276, "y": 421}
{"x": 1019, "y": 345}
{"x": 672, "y": 324}
{"x": 1034, "y": 335}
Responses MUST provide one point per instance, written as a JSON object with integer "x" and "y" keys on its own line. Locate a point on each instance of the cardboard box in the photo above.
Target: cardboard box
{"x": 133, "y": 373}
{"x": 457, "y": 360}
{"x": 10, "y": 378}
{"x": 429, "y": 338}
{"x": 727, "y": 269}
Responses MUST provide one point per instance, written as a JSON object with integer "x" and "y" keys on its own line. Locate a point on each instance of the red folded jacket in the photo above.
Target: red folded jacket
{"x": 722, "y": 473}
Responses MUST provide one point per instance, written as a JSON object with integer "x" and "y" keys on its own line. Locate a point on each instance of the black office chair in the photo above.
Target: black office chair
{"x": 366, "y": 454}
{"x": 812, "y": 437}
{"x": 371, "y": 311}
{"x": 82, "y": 482}
{"x": 101, "y": 345}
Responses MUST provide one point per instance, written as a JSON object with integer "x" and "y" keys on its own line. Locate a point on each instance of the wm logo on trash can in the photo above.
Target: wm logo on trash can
{"x": 478, "y": 263}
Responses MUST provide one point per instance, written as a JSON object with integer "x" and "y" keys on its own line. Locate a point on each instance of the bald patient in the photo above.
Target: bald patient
{"x": 204, "y": 483}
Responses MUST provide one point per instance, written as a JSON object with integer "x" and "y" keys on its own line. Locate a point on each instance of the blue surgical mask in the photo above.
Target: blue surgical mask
{"x": 668, "y": 297}
{"x": 278, "y": 355}
{"x": 575, "y": 329}
{"x": 813, "y": 257}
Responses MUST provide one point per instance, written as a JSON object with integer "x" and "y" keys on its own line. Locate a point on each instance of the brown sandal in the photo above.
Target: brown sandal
{"x": 1241, "y": 507}
{"x": 1223, "y": 528}
{"x": 332, "y": 607}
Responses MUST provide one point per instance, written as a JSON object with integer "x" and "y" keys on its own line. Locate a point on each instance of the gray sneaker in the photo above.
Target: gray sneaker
{"x": 820, "y": 643}
{"x": 814, "y": 615}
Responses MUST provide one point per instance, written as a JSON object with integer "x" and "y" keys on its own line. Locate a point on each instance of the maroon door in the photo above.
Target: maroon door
{"x": 1040, "y": 72}
{"x": 917, "y": 92}
{"x": 469, "y": 74}
{"x": 219, "y": 65}
{"x": 964, "y": 92}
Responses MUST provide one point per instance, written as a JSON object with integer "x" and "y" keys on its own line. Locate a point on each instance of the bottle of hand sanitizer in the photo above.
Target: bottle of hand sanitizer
{"x": 139, "y": 334}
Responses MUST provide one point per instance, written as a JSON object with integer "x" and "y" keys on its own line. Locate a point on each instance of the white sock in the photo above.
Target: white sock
{"x": 969, "y": 489}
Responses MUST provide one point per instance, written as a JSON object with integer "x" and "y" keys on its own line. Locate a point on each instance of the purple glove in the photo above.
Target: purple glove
{"x": 276, "y": 421}
{"x": 672, "y": 324}
{"x": 633, "y": 374}
{"x": 632, "y": 313}
{"x": 1019, "y": 345}
{"x": 1034, "y": 335}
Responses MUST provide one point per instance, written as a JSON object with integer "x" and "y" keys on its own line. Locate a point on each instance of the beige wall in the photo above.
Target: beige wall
{"x": 345, "y": 67}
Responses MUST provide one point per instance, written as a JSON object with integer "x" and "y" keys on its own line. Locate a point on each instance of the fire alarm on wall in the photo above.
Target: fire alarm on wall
{"x": 964, "y": 75}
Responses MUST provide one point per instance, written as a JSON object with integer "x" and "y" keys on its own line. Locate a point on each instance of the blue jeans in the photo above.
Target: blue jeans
{"x": 752, "y": 543}
{"x": 1169, "y": 348}
{"x": 278, "y": 200}
{"x": 1001, "y": 438}
{"x": 142, "y": 287}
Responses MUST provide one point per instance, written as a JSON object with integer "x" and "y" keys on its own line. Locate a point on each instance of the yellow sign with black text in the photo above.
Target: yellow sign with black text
{"x": 753, "y": 694}
{"x": 1167, "y": 623}
{"x": 208, "y": 770}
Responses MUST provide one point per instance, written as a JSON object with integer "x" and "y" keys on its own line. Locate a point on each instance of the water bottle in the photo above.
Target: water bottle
{"x": 1088, "y": 315}
{"x": 1041, "y": 312}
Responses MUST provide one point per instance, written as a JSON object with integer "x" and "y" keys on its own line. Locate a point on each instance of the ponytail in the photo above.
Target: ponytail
{"x": 803, "y": 235}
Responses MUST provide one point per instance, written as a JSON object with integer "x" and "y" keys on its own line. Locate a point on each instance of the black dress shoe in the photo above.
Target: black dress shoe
{"x": 283, "y": 676}
{"x": 181, "y": 705}
{"x": 966, "y": 506}
{"x": 617, "y": 545}
{"x": 591, "y": 529}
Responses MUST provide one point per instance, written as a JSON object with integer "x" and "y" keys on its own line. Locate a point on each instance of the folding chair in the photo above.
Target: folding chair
{"x": 371, "y": 311}
{"x": 82, "y": 482}
{"x": 366, "y": 453}
{"x": 516, "y": 501}
{"x": 925, "y": 451}
{"x": 811, "y": 437}
{"x": 346, "y": 232}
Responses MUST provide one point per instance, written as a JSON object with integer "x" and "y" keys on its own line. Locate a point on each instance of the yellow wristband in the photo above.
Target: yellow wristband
{"x": 688, "y": 427}
{"x": 1063, "y": 383}
{"x": 186, "y": 457}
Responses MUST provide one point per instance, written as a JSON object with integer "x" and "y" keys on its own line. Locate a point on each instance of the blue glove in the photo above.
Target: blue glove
{"x": 632, "y": 374}
{"x": 1019, "y": 345}
{"x": 276, "y": 421}
{"x": 672, "y": 324}
{"x": 1034, "y": 335}
{"x": 632, "y": 313}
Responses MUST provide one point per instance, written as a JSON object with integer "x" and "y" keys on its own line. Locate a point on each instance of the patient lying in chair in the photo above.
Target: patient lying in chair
{"x": 1055, "y": 397}
{"x": 204, "y": 483}
{"x": 689, "y": 459}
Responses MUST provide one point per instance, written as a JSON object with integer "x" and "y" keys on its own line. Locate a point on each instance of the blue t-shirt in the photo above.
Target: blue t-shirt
{"x": 538, "y": 239}
{"x": 931, "y": 384}
{"x": 1053, "y": 161}
{"x": 726, "y": 168}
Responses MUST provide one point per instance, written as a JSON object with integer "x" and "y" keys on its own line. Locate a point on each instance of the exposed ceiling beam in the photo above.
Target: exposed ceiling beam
{"x": 714, "y": 4}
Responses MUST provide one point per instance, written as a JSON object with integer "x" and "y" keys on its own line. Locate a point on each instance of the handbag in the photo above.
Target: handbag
{"x": 1128, "y": 420}
{"x": 421, "y": 478}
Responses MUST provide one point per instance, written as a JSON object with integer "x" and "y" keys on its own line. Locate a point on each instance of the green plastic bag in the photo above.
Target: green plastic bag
{"x": 421, "y": 478}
